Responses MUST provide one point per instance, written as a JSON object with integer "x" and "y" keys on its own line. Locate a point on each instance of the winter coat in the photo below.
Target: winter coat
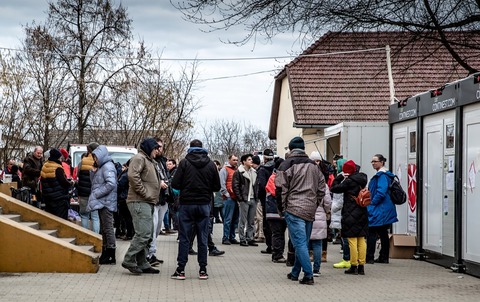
{"x": 122, "y": 185}
{"x": 84, "y": 185}
{"x": 54, "y": 184}
{"x": 196, "y": 178}
{"x": 271, "y": 208}
{"x": 300, "y": 186}
{"x": 104, "y": 182}
{"x": 263, "y": 174}
{"x": 381, "y": 210}
{"x": 354, "y": 217}
{"x": 337, "y": 205}
{"x": 226, "y": 178}
{"x": 32, "y": 168}
{"x": 143, "y": 176}
{"x": 241, "y": 184}
{"x": 319, "y": 228}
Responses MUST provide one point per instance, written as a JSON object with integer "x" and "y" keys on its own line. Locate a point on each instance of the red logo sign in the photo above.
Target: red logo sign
{"x": 412, "y": 187}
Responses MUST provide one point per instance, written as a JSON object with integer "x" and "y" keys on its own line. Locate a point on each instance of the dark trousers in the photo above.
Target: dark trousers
{"x": 193, "y": 217}
{"x": 127, "y": 218}
{"x": 382, "y": 232}
{"x": 267, "y": 232}
{"x": 277, "y": 227}
{"x": 210, "y": 243}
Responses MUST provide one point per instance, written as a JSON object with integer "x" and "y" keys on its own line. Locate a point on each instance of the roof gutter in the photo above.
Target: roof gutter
{"x": 295, "y": 125}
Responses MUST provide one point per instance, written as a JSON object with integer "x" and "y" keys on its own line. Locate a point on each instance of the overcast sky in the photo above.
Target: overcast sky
{"x": 162, "y": 28}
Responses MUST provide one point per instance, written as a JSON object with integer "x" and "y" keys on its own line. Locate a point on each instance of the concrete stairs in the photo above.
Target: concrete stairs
{"x": 32, "y": 240}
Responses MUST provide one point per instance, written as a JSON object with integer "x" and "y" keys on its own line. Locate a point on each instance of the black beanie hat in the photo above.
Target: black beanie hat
{"x": 296, "y": 143}
{"x": 92, "y": 146}
{"x": 55, "y": 154}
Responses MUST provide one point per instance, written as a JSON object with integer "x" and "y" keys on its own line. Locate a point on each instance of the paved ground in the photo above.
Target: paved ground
{"x": 244, "y": 274}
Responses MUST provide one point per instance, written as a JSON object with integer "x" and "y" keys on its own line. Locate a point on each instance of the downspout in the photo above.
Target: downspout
{"x": 390, "y": 76}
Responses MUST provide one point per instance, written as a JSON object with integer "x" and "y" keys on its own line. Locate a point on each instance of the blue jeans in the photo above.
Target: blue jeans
{"x": 299, "y": 231}
{"x": 317, "y": 254}
{"x": 230, "y": 219}
{"x": 189, "y": 217}
{"x": 95, "y": 221}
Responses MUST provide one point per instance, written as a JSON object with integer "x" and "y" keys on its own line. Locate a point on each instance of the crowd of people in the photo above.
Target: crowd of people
{"x": 302, "y": 196}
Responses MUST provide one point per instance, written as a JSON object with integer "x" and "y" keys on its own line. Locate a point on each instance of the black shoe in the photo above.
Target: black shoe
{"x": 243, "y": 243}
{"x": 279, "y": 260}
{"x": 381, "y": 260}
{"x": 234, "y": 241}
{"x": 353, "y": 270}
{"x": 252, "y": 243}
{"x": 370, "y": 261}
{"x": 266, "y": 251}
{"x": 216, "y": 252}
{"x": 192, "y": 252}
{"x": 226, "y": 242}
{"x": 150, "y": 270}
{"x": 291, "y": 277}
{"x": 133, "y": 269}
{"x": 154, "y": 261}
{"x": 307, "y": 281}
{"x": 361, "y": 269}
{"x": 288, "y": 263}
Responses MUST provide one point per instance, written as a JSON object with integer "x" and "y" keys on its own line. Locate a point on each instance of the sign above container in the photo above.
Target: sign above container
{"x": 470, "y": 90}
{"x": 403, "y": 110}
{"x": 438, "y": 100}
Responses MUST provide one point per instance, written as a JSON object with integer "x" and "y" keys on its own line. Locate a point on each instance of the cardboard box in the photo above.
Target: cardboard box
{"x": 402, "y": 246}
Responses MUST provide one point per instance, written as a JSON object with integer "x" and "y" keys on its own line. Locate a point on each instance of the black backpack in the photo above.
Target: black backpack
{"x": 397, "y": 194}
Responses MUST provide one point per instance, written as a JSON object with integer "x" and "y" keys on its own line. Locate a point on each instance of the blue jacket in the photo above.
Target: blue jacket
{"x": 381, "y": 210}
{"x": 104, "y": 182}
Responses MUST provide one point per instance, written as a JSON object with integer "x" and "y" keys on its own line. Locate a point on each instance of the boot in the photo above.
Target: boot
{"x": 109, "y": 257}
{"x": 353, "y": 270}
{"x": 103, "y": 256}
{"x": 290, "y": 259}
{"x": 361, "y": 269}
{"x": 324, "y": 256}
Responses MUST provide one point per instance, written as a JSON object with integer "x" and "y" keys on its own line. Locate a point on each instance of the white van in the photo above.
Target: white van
{"x": 120, "y": 154}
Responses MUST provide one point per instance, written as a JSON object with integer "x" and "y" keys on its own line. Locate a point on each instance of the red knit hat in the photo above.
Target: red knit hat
{"x": 64, "y": 153}
{"x": 349, "y": 167}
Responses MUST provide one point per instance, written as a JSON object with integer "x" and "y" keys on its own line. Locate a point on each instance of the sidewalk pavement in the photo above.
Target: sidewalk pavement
{"x": 243, "y": 274}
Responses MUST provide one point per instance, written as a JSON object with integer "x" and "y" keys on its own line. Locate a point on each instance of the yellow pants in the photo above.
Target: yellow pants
{"x": 358, "y": 250}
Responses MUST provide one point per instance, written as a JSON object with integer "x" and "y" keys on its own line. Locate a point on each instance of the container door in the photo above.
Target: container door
{"x": 432, "y": 185}
{"x": 471, "y": 192}
{"x": 399, "y": 163}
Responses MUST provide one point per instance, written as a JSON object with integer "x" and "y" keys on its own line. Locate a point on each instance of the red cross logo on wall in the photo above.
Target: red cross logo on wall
{"x": 412, "y": 187}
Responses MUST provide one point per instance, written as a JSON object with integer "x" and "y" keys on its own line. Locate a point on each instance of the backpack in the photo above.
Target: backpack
{"x": 363, "y": 197}
{"x": 397, "y": 194}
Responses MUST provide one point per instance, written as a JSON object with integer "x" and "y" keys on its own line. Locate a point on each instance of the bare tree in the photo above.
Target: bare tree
{"x": 427, "y": 19}
{"x": 90, "y": 36}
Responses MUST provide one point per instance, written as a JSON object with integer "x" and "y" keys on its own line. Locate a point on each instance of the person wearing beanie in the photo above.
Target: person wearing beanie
{"x": 143, "y": 194}
{"x": 296, "y": 143}
{"x": 300, "y": 190}
{"x": 55, "y": 185}
{"x": 381, "y": 211}
{"x": 354, "y": 217}
{"x": 197, "y": 179}
{"x": 264, "y": 232}
{"x": 92, "y": 146}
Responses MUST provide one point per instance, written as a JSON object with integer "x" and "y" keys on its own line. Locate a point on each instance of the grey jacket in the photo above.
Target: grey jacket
{"x": 104, "y": 183}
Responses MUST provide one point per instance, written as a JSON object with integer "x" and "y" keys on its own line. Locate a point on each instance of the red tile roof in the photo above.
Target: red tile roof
{"x": 353, "y": 86}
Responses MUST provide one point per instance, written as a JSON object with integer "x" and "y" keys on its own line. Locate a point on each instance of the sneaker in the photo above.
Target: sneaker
{"x": 202, "y": 275}
{"x": 279, "y": 260}
{"x": 307, "y": 281}
{"x": 342, "y": 264}
{"x": 266, "y": 251}
{"x": 252, "y": 243}
{"x": 381, "y": 260}
{"x": 154, "y": 261}
{"x": 216, "y": 252}
{"x": 316, "y": 273}
{"x": 234, "y": 241}
{"x": 243, "y": 243}
{"x": 150, "y": 270}
{"x": 291, "y": 277}
{"x": 133, "y": 269}
{"x": 178, "y": 275}
{"x": 192, "y": 252}
{"x": 226, "y": 242}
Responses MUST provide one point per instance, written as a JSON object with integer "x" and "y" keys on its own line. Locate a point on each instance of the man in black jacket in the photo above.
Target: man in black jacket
{"x": 196, "y": 178}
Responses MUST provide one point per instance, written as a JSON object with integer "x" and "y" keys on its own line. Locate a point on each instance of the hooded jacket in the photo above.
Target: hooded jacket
{"x": 300, "y": 185}
{"x": 320, "y": 227}
{"x": 196, "y": 178}
{"x": 354, "y": 217}
{"x": 104, "y": 182}
{"x": 263, "y": 174}
{"x": 381, "y": 210}
{"x": 143, "y": 176}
